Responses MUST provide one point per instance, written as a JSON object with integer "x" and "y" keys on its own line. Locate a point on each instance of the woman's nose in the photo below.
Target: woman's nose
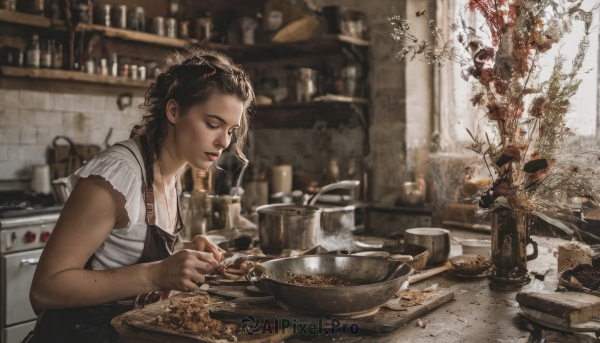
{"x": 223, "y": 140}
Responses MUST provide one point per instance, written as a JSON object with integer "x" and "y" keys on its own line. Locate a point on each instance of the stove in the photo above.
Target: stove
{"x": 26, "y": 224}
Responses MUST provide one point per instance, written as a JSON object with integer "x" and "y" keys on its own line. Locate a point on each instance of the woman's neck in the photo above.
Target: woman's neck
{"x": 169, "y": 159}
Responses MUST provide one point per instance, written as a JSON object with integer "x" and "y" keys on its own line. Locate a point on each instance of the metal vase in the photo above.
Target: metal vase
{"x": 510, "y": 236}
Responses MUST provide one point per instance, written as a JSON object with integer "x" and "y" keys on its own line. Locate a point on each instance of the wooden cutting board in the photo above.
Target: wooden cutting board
{"x": 141, "y": 326}
{"x": 383, "y": 321}
{"x": 567, "y": 311}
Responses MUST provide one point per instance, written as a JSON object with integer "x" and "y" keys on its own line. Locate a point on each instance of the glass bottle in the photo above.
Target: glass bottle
{"x": 57, "y": 56}
{"x": 33, "y": 52}
{"x": 114, "y": 65}
{"x": 46, "y": 55}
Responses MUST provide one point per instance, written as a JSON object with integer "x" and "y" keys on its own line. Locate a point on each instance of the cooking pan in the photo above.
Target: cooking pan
{"x": 377, "y": 281}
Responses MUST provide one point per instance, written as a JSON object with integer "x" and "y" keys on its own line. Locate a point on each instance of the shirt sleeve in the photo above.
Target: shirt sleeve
{"x": 119, "y": 170}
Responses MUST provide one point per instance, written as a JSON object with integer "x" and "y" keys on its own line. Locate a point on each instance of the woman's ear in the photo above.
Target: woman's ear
{"x": 172, "y": 111}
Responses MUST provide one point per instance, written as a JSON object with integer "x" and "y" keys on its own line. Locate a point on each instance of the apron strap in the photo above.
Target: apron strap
{"x": 147, "y": 189}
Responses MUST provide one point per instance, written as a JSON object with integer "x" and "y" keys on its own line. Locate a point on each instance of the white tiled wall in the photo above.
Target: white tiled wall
{"x": 29, "y": 120}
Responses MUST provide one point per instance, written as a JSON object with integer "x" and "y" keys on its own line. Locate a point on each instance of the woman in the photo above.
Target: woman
{"x": 112, "y": 248}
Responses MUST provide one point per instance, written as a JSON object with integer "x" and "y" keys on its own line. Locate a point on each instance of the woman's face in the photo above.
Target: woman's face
{"x": 206, "y": 130}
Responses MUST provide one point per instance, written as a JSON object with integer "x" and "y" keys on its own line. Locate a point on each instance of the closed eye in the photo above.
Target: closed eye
{"x": 211, "y": 126}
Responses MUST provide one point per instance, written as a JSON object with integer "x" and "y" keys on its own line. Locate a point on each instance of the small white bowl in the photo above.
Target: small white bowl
{"x": 481, "y": 247}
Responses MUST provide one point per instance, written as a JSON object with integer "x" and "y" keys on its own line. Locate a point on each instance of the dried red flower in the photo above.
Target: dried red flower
{"x": 537, "y": 107}
{"x": 496, "y": 112}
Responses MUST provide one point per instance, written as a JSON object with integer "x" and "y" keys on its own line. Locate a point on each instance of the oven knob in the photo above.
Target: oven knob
{"x": 30, "y": 237}
{"x": 45, "y": 236}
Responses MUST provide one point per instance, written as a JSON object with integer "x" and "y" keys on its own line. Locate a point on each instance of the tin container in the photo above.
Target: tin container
{"x": 171, "y": 27}
{"x": 102, "y": 15}
{"x": 158, "y": 26}
{"x": 119, "y": 17}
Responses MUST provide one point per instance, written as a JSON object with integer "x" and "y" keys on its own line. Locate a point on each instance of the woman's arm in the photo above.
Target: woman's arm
{"x": 94, "y": 208}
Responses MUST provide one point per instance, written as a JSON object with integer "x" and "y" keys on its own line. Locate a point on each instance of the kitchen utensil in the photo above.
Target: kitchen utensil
{"x": 417, "y": 277}
{"x": 463, "y": 266}
{"x": 336, "y": 219}
{"x": 420, "y": 255}
{"x": 288, "y": 227}
{"x": 303, "y": 85}
{"x": 401, "y": 258}
{"x": 378, "y": 281}
{"x": 481, "y": 247}
{"x": 365, "y": 242}
{"x": 564, "y": 279}
{"x": 347, "y": 184}
{"x": 379, "y": 254}
{"x": 436, "y": 241}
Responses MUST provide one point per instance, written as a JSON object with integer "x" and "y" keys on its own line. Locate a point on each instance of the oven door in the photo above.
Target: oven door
{"x": 18, "y": 269}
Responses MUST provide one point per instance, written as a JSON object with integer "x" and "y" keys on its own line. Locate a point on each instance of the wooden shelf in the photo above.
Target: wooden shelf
{"x": 144, "y": 37}
{"x": 34, "y": 20}
{"x": 305, "y": 116}
{"x": 328, "y": 44}
{"x": 72, "y": 76}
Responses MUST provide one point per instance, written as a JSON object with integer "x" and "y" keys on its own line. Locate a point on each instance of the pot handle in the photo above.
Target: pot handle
{"x": 346, "y": 184}
{"x": 533, "y": 255}
{"x": 255, "y": 278}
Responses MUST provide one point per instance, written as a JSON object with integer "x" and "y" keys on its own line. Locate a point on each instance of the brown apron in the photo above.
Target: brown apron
{"x": 91, "y": 324}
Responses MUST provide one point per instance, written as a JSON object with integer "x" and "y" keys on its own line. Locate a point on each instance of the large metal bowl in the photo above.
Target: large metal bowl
{"x": 379, "y": 280}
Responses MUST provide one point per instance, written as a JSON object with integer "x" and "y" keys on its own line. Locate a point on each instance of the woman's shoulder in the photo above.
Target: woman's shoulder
{"x": 117, "y": 164}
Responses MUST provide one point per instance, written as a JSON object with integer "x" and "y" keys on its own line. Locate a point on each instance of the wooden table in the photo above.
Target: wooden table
{"x": 477, "y": 314}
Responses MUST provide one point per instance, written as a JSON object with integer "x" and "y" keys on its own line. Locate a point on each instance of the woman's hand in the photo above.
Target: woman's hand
{"x": 182, "y": 270}
{"x": 201, "y": 243}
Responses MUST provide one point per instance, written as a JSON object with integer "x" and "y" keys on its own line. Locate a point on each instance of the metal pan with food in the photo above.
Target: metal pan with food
{"x": 340, "y": 285}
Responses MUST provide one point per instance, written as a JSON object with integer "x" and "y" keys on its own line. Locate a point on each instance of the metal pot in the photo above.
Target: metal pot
{"x": 436, "y": 241}
{"x": 284, "y": 226}
{"x": 335, "y": 219}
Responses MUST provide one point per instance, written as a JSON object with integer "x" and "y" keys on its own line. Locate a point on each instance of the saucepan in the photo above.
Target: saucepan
{"x": 375, "y": 281}
{"x": 335, "y": 219}
{"x": 286, "y": 226}
{"x": 436, "y": 241}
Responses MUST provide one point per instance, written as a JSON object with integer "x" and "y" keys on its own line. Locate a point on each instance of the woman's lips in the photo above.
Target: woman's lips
{"x": 212, "y": 157}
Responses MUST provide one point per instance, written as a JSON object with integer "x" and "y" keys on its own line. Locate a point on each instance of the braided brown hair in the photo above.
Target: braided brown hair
{"x": 190, "y": 78}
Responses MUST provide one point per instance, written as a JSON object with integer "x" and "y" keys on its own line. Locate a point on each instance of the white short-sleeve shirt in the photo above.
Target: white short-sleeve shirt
{"x": 118, "y": 166}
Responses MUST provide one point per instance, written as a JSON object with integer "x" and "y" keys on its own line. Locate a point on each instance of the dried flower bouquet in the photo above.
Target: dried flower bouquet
{"x": 524, "y": 155}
